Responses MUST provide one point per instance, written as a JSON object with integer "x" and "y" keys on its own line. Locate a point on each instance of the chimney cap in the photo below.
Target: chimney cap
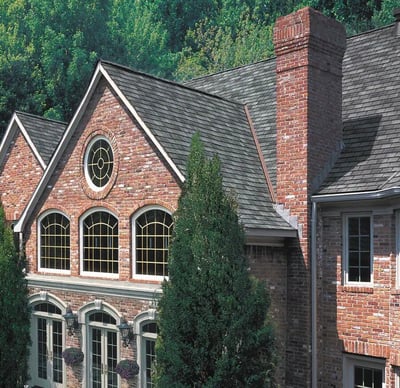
{"x": 396, "y": 14}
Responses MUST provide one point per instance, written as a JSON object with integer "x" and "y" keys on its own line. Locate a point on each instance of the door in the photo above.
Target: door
{"x": 103, "y": 357}
{"x": 47, "y": 341}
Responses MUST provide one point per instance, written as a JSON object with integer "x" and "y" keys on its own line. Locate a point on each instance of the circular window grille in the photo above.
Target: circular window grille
{"x": 99, "y": 162}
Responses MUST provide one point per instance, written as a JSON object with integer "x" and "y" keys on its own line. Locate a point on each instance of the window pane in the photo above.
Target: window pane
{"x": 153, "y": 231}
{"x": 54, "y": 242}
{"x": 100, "y": 162}
{"x": 100, "y": 237}
{"x": 359, "y": 249}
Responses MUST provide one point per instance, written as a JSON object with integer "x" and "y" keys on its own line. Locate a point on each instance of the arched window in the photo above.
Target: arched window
{"x": 100, "y": 243}
{"x": 153, "y": 230}
{"x": 54, "y": 231}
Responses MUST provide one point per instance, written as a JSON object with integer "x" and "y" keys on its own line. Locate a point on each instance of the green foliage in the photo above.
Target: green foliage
{"x": 14, "y": 312}
{"x": 212, "y": 315}
{"x": 48, "y": 48}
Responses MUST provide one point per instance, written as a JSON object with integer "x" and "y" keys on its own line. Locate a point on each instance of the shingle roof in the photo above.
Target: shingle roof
{"x": 370, "y": 159}
{"x": 253, "y": 85}
{"x": 44, "y": 133}
{"x": 173, "y": 113}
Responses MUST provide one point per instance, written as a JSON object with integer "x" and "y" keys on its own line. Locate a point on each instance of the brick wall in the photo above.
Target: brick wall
{"x": 358, "y": 320}
{"x": 309, "y": 49}
{"x": 140, "y": 179}
{"x": 19, "y": 176}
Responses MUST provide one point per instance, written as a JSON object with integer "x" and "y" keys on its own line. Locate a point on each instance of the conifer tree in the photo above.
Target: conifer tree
{"x": 213, "y": 330}
{"x": 14, "y": 312}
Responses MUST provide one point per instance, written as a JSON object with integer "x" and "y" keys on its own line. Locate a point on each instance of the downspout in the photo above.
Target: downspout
{"x": 314, "y": 336}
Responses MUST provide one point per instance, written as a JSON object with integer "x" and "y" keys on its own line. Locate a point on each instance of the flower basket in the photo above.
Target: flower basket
{"x": 72, "y": 356}
{"x": 127, "y": 369}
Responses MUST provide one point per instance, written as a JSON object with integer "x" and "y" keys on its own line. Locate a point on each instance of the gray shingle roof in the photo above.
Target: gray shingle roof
{"x": 45, "y": 134}
{"x": 370, "y": 159}
{"x": 253, "y": 85}
{"x": 174, "y": 113}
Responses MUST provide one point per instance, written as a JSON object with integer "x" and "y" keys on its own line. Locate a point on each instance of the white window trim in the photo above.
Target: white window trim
{"x": 81, "y": 247}
{"x": 83, "y": 318}
{"x": 141, "y": 319}
{"x": 350, "y": 361}
{"x": 345, "y": 261}
{"x": 85, "y": 163}
{"x": 39, "y": 237}
{"x": 134, "y": 217}
{"x": 35, "y": 299}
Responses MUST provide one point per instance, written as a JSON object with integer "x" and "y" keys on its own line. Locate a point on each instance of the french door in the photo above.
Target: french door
{"x": 103, "y": 358}
{"x": 47, "y": 371}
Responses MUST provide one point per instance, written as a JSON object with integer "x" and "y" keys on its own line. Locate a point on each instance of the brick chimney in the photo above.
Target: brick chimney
{"x": 309, "y": 49}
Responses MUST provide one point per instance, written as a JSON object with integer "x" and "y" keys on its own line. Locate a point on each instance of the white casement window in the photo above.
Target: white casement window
{"x": 99, "y": 163}
{"x": 146, "y": 327}
{"x": 54, "y": 242}
{"x": 102, "y": 350}
{"x": 99, "y": 243}
{"x": 363, "y": 372}
{"x": 47, "y": 334}
{"x": 152, "y": 229}
{"x": 357, "y": 246}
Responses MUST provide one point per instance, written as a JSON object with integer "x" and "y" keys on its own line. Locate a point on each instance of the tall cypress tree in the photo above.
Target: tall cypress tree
{"x": 14, "y": 312}
{"x": 212, "y": 314}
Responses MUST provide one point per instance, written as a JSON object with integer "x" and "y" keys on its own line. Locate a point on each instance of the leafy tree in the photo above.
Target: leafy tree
{"x": 384, "y": 16}
{"x": 14, "y": 312}
{"x": 139, "y": 40}
{"x": 212, "y": 315}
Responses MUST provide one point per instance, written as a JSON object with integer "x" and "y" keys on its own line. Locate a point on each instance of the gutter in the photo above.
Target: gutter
{"x": 330, "y": 198}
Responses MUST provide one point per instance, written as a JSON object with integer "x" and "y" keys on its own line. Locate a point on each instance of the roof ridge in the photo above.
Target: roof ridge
{"x": 370, "y": 31}
{"x": 174, "y": 83}
{"x": 17, "y": 112}
{"x": 269, "y": 59}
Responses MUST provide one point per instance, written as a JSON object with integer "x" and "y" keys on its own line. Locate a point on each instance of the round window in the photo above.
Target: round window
{"x": 99, "y": 162}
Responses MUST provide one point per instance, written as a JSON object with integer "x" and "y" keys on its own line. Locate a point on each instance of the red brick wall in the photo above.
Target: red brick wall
{"x": 309, "y": 49}
{"x": 357, "y": 320}
{"x": 141, "y": 179}
{"x": 19, "y": 176}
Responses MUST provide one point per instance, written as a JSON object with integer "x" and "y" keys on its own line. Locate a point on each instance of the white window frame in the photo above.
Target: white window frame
{"x": 345, "y": 239}
{"x": 85, "y": 163}
{"x": 134, "y": 218}
{"x": 39, "y": 238}
{"x": 83, "y": 317}
{"x": 350, "y": 361}
{"x": 81, "y": 245}
{"x": 36, "y": 299}
{"x": 141, "y": 320}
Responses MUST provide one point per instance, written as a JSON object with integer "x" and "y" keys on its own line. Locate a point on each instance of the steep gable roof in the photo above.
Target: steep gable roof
{"x": 370, "y": 159}
{"x": 170, "y": 114}
{"x": 42, "y": 135}
{"x": 253, "y": 85}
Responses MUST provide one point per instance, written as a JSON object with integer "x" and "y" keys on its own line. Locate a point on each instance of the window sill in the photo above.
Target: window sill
{"x": 357, "y": 289}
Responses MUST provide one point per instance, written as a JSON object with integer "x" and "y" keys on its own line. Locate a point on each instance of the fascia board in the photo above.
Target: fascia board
{"x": 5, "y": 143}
{"x": 29, "y": 141}
{"x": 99, "y": 72}
{"x": 19, "y": 226}
{"x": 143, "y": 125}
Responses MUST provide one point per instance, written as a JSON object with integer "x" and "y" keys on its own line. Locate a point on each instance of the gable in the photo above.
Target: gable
{"x": 19, "y": 175}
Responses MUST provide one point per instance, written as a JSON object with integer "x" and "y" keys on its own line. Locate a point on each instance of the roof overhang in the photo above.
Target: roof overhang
{"x": 268, "y": 237}
{"x": 357, "y": 196}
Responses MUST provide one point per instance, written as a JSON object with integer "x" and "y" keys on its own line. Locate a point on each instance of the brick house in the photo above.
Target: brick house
{"x": 308, "y": 146}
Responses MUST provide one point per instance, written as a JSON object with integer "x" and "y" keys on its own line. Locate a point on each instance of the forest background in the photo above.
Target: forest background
{"x": 48, "y": 48}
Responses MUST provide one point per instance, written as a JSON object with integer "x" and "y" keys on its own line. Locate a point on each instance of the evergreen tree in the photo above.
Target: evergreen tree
{"x": 14, "y": 312}
{"x": 213, "y": 329}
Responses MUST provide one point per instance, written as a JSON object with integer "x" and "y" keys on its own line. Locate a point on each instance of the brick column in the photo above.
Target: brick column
{"x": 309, "y": 50}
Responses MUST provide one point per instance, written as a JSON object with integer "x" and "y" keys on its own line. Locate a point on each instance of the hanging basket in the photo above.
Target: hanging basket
{"x": 72, "y": 356}
{"x": 127, "y": 369}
